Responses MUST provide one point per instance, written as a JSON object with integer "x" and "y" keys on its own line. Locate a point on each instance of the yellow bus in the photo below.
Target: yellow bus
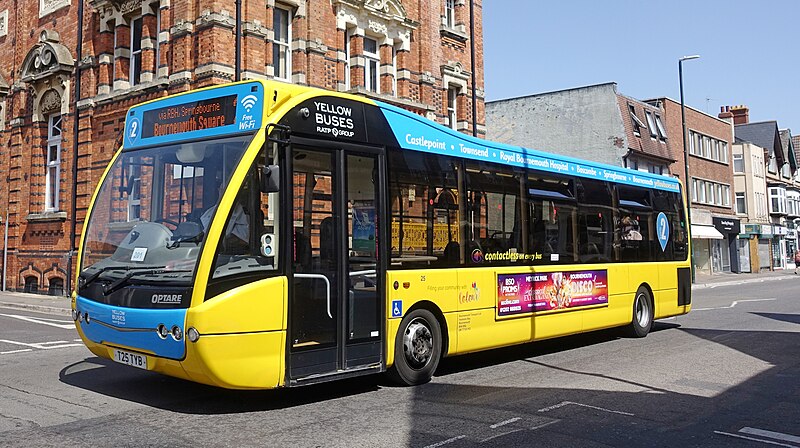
{"x": 259, "y": 235}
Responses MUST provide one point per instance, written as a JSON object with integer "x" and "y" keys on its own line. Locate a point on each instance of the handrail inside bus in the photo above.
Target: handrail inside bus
{"x": 327, "y": 283}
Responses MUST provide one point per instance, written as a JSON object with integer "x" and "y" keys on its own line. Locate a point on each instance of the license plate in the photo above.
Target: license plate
{"x": 131, "y": 359}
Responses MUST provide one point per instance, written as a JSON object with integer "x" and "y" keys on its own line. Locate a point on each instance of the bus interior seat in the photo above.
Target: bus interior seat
{"x": 451, "y": 252}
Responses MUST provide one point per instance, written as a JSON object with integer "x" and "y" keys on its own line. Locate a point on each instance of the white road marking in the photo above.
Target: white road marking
{"x": 505, "y": 422}
{"x": 565, "y": 403}
{"x": 770, "y": 442}
{"x": 771, "y": 434}
{"x": 544, "y": 424}
{"x": 735, "y": 302}
{"x": 16, "y": 351}
{"x": 500, "y": 435}
{"x": 42, "y": 345}
{"x": 445, "y": 442}
{"x": 65, "y": 324}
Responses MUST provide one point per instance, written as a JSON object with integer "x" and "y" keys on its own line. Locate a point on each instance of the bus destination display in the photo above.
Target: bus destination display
{"x": 188, "y": 117}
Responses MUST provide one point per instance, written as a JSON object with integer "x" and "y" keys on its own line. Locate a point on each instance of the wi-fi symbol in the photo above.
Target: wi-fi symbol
{"x": 249, "y": 101}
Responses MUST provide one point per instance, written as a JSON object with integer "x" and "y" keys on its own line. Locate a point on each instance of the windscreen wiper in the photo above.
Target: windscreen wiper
{"x": 93, "y": 277}
{"x": 120, "y": 282}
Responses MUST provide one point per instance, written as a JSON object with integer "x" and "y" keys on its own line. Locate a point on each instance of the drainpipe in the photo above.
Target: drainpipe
{"x": 472, "y": 62}
{"x": 238, "y": 47}
{"x": 75, "y": 130}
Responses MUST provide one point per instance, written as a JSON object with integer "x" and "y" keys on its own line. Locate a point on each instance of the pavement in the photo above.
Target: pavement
{"x": 61, "y": 304}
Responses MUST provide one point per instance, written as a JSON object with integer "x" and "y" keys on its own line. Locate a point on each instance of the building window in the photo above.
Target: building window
{"x": 651, "y": 124}
{"x": 711, "y": 193}
{"x": 738, "y": 163}
{"x": 741, "y": 204}
{"x": 450, "y": 13}
{"x": 135, "y": 195}
{"x": 372, "y": 62}
{"x": 452, "y": 106}
{"x": 53, "y": 173}
{"x": 347, "y": 54}
{"x": 636, "y": 122}
{"x": 281, "y": 48}
{"x": 777, "y": 200}
{"x": 662, "y": 132}
{"x": 31, "y": 284}
{"x": 136, "y": 52}
{"x": 707, "y": 147}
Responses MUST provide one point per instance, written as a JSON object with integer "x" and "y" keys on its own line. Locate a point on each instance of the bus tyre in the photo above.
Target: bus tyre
{"x": 417, "y": 348}
{"x": 642, "y": 314}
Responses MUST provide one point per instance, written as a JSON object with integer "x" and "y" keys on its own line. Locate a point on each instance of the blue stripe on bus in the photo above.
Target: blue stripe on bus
{"x": 133, "y": 327}
{"x": 416, "y": 133}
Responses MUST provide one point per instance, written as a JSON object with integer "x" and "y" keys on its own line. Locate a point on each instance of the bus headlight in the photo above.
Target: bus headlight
{"x": 162, "y": 330}
{"x": 86, "y": 317}
{"x": 192, "y": 334}
{"x": 75, "y": 315}
{"x": 177, "y": 333}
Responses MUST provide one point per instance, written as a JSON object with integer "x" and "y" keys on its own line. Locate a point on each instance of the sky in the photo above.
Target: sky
{"x": 749, "y": 51}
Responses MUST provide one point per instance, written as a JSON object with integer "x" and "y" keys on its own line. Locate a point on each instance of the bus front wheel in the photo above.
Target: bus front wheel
{"x": 417, "y": 348}
{"x": 642, "y": 314}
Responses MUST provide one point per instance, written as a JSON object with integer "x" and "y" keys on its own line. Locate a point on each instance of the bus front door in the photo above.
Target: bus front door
{"x": 335, "y": 306}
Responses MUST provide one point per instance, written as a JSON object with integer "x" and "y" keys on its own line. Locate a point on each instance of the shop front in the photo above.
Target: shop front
{"x": 725, "y": 251}
{"x": 779, "y": 246}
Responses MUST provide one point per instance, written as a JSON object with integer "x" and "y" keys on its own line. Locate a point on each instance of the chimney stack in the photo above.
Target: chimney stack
{"x": 741, "y": 114}
{"x": 725, "y": 113}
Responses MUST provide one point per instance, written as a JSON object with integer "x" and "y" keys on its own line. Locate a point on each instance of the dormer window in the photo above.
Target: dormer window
{"x": 651, "y": 124}
{"x": 635, "y": 121}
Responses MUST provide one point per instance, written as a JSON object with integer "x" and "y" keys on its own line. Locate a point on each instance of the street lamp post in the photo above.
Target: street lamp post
{"x": 686, "y": 160}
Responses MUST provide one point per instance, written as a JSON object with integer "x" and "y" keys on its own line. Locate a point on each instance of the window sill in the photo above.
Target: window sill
{"x": 458, "y": 35}
{"x": 116, "y": 95}
{"x": 47, "y": 217}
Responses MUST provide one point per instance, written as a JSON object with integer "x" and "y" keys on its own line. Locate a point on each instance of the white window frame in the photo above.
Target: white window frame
{"x": 53, "y": 165}
{"x": 348, "y": 34}
{"x": 134, "y": 77}
{"x": 282, "y": 47}
{"x": 738, "y": 159}
{"x": 372, "y": 67}
{"x": 651, "y": 124}
{"x": 452, "y": 106}
{"x": 778, "y": 194}
{"x": 450, "y": 13}
{"x": 637, "y": 123}
{"x": 740, "y": 196}
{"x": 662, "y": 132}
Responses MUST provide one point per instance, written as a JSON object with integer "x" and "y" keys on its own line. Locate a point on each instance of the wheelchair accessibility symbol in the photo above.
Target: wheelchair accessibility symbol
{"x": 397, "y": 308}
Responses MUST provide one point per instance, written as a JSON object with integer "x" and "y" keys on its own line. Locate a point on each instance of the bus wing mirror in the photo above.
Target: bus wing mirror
{"x": 270, "y": 179}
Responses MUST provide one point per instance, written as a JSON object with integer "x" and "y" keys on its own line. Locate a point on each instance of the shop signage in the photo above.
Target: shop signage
{"x": 791, "y": 234}
{"x": 726, "y": 225}
{"x": 766, "y": 231}
{"x": 780, "y": 230}
{"x": 753, "y": 229}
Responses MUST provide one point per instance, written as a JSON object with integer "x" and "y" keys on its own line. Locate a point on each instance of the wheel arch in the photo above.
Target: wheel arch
{"x": 437, "y": 312}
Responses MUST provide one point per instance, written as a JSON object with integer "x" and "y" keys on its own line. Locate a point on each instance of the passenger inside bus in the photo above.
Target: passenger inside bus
{"x": 237, "y": 231}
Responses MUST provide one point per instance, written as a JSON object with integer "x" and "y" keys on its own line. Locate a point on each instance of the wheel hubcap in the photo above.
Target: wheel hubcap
{"x": 642, "y": 310}
{"x": 418, "y": 343}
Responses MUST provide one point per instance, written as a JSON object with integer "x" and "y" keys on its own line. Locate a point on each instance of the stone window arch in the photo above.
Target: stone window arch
{"x": 46, "y": 70}
{"x": 455, "y": 82}
{"x": 129, "y": 43}
{"x": 384, "y": 21}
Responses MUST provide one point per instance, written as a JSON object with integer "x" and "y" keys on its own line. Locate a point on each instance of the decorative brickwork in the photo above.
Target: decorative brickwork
{"x": 137, "y": 50}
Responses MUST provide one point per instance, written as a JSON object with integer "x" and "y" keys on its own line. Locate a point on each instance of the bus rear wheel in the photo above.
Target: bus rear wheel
{"x": 643, "y": 312}
{"x": 417, "y": 348}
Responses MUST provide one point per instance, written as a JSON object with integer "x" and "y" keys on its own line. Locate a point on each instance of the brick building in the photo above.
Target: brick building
{"x": 415, "y": 54}
{"x": 714, "y": 223}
